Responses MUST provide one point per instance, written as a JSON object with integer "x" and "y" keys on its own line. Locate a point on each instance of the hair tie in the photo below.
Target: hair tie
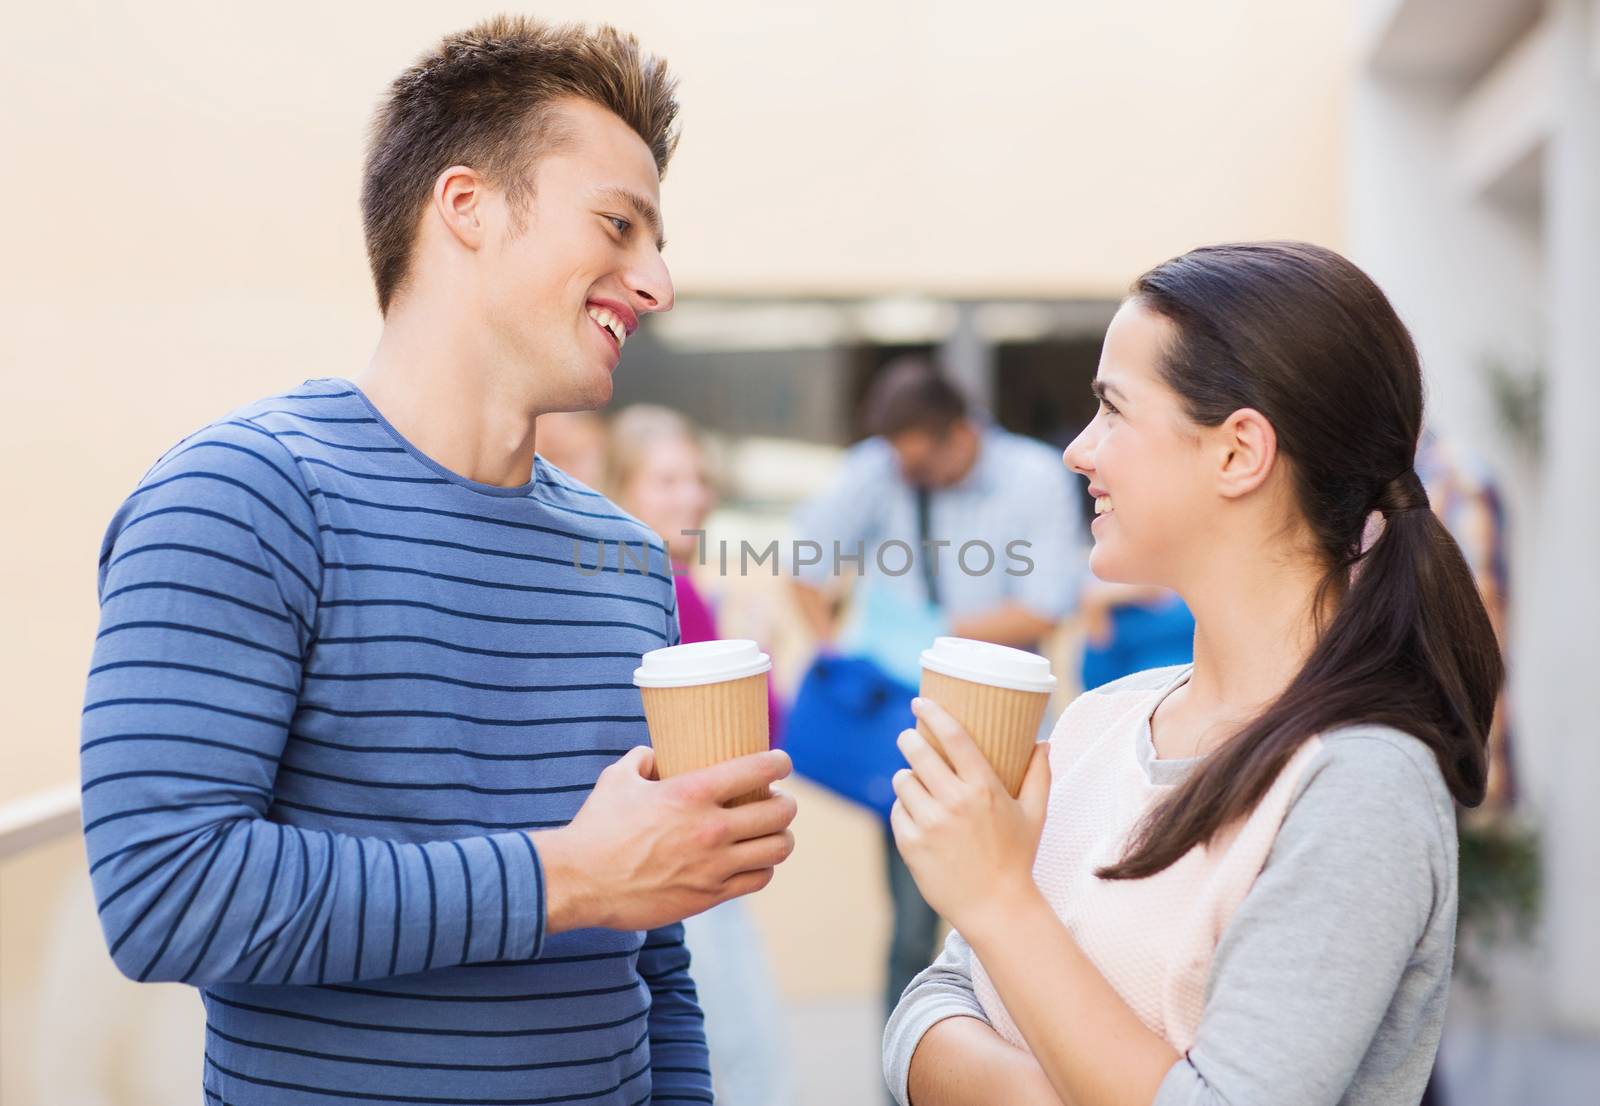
{"x": 1404, "y": 493}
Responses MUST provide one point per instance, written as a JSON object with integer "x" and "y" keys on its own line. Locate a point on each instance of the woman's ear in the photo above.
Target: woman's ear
{"x": 1246, "y": 450}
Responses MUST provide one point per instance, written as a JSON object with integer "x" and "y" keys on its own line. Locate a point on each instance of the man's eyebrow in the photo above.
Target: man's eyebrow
{"x": 643, "y": 210}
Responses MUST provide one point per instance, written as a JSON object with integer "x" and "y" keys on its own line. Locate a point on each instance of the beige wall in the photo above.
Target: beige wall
{"x": 180, "y": 229}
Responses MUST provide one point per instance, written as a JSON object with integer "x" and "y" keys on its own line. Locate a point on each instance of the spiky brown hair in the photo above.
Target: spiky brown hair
{"x": 482, "y": 98}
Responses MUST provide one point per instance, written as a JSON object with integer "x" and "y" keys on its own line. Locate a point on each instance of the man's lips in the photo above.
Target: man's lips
{"x": 615, "y": 321}
{"x": 610, "y": 340}
{"x": 630, "y": 319}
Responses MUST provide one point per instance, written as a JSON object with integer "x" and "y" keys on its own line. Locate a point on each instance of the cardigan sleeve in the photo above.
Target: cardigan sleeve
{"x": 1333, "y": 973}
{"x": 942, "y": 990}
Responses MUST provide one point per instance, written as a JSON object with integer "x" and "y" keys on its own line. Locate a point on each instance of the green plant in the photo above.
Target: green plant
{"x": 1518, "y": 399}
{"x": 1501, "y": 888}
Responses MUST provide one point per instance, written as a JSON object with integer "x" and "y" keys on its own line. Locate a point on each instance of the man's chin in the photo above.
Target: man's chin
{"x": 596, "y": 393}
{"x": 585, "y": 386}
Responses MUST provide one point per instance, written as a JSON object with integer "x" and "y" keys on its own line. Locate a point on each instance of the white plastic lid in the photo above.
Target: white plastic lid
{"x": 985, "y": 663}
{"x": 700, "y": 662}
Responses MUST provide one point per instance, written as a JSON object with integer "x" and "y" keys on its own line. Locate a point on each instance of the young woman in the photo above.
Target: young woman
{"x": 1232, "y": 881}
{"x": 656, "y": 469}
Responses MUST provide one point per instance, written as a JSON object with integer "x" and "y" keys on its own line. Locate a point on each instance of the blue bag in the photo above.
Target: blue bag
{"x": 841, "y": 730}
{"x": 1143, "y": 636}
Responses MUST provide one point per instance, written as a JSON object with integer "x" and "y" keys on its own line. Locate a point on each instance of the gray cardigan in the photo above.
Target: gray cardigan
{"x": 1329, "y": 984}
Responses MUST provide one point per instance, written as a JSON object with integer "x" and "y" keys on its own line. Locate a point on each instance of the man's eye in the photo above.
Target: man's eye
{"x": 620, "y": 223}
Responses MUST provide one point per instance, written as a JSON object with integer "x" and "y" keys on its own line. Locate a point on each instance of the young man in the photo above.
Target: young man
{"x": 989, "y": 520}
{"x": 351, "y": 711}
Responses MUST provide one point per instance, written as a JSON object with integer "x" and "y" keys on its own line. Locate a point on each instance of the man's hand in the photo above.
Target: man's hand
{"x": 816, "y": 608}
{"x": 1008, "y": 624}
{"x": 643, "y": 853}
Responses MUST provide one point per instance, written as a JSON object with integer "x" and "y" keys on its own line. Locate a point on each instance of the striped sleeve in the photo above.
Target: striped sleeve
{"x": 209, "y": 576}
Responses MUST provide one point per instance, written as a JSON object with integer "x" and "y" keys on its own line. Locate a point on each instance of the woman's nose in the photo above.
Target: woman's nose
{"x": 1077, "y": 456}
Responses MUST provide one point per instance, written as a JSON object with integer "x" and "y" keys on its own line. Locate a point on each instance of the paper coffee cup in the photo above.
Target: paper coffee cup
{"x": 997, "y": 693}
{"x": 705, "y": 702}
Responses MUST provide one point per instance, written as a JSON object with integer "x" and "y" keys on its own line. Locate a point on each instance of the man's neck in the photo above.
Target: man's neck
{"x": 430, "y": 379}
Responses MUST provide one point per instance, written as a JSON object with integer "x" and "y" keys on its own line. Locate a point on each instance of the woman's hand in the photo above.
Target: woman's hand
{"x": 969, "y": 844}
{"x": 971, "y": 847}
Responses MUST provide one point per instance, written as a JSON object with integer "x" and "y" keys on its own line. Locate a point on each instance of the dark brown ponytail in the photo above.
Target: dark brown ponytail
{"x": 1303, "y": 336}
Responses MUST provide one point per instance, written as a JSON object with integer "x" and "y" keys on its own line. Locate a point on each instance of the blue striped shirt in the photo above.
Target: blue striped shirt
{"x": 334, "y": 684}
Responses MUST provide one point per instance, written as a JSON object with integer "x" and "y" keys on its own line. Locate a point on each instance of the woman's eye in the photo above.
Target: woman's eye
{"x": 620, "y": 223}
{"x": 1107, "y": 408}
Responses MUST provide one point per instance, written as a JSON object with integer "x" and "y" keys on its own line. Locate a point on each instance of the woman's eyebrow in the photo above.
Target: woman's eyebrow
{"x": 1104, "y": 388}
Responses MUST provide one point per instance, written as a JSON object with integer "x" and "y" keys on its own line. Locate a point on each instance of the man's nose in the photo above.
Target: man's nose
{"x": 650, "y": 284}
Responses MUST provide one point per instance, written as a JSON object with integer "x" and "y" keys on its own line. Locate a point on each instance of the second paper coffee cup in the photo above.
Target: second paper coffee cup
{"x": 705, "y": 702}
{"x": 997, "y": 693}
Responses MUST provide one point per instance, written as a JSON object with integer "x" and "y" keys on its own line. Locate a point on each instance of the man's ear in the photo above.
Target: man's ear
{"x": 1246, "y": 448}
{"x": 459, "y": 196}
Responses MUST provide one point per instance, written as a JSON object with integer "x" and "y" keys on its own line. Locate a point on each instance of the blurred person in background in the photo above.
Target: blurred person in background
{"x": 656, "y": 470}
{"x": 362, "y": 755}
{"x": 1245, "y": 891}
{"x": 936, "y": 475}
{"x": 1467, "y": 498}
{"x": 575, "y": 443}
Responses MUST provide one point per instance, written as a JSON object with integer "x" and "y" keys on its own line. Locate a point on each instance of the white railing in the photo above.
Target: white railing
{"x": 38, "y": 818}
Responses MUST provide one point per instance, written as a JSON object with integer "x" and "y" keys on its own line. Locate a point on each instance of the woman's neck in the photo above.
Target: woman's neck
{"x": 1254, "y": 630}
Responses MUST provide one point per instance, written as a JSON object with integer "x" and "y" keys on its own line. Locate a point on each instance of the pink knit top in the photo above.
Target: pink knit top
{"x": 1153, "y": 938}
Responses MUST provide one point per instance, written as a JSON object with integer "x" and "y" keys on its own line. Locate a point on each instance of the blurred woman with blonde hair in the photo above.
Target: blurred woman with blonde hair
{"x": 657, "y": 470}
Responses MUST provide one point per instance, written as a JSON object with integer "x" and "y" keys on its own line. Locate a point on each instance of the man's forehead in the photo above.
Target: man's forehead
{"x": 581, "y": 127}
